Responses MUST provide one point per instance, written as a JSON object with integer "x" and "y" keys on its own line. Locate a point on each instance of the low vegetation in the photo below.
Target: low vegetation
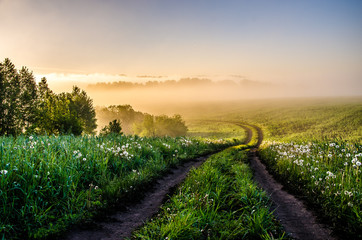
{"x": 219, "y": 200}
{"x": 327, "y": 173}
{"x": 49, "y": 182}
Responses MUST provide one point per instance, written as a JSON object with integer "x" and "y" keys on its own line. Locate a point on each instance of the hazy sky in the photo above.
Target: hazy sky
{"x": 286, "y": 41}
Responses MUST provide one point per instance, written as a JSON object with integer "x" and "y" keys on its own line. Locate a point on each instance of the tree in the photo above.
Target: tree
{"x": 170, "y": 126}
{"x": 82, "y": 106}
{"x": 9, "y": 121}
{"x": 28, "y": 107}
{"x": 161, "y": 126}
{"x": 28, "y": 100}
{"x": 114, "y": 127}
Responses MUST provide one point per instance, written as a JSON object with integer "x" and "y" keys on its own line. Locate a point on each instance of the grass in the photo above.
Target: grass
{"x": 214, "y": 130}
{"x": 219, "y": 200}
{"x": 314, "y": 147}
{"x": 49, "y": 183}
{"x": 327, "y": 173}
{"x": 309, "y": 119}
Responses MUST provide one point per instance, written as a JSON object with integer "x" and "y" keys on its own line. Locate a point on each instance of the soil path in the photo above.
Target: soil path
{"x": 122, "y": 223}
{"x": 297, "y": 220}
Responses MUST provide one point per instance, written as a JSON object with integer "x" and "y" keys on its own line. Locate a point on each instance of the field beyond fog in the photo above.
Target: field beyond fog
{"x": 282, "y": 119}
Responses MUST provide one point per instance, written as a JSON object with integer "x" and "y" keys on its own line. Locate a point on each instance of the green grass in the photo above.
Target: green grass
{"x": 303, "y": 135}
{"x": 219, "y": 200}
{"x": 49, "y": 183}
{"x": 309, "y": 119}
{"x": 214, "y": 130}
{"x": 327, "y": 173}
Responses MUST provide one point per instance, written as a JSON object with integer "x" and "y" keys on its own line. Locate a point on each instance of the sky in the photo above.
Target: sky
{"x": 315, "y": 43}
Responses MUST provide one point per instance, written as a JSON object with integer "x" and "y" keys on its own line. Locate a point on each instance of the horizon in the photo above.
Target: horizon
{"x": 310, "y": 46}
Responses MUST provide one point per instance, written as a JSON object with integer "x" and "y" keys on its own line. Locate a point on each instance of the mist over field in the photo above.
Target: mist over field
{"x": 160, "y": 95}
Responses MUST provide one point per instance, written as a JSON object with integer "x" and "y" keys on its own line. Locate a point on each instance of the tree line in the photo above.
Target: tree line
{"x": 138, "y": 123}
{"x": 27, "y": 107}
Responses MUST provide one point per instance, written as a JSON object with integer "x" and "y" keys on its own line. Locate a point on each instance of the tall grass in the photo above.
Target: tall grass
{"x": 327, "y": 173}
{"x": 48, "y": 183}
{"x": 217, "y": 201}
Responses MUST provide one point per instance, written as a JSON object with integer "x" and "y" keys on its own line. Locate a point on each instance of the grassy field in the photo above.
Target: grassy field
{"x": 48, "y": 183}
{"x": 287, "y": 119}
{"x": 327, "y": 173}
{"x": 314, "y": 148}
{"x": 219, "y": 200}
{"x": 215, "y": 130}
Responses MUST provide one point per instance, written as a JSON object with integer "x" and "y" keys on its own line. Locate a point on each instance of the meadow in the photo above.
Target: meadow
{"x": 219, "y": 200}
{"x": 313, "y": 146}
{"x": 327, "y": 174}
{"x": 50, "y": 182}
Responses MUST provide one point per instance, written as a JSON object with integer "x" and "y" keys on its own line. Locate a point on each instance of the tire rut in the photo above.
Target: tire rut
{"x": 298, "y": 221}
{"x": 121, "y": 224}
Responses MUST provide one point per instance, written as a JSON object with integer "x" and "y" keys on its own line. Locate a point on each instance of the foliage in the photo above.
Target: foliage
{"x": 328, "y": 173}
{"x": 143, "y": 124}
{"x": 50, "y": 182}
{"x": 18, "y": 96}
{"x": 113, "y": 127}
{"x": 161, "y": 126}
{"x": 125, "y": 113}
{"x": 26, "y": 107}
{"x": 219, "y": 200}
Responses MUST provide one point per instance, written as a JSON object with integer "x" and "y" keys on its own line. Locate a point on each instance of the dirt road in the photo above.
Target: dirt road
{"x": 296, "y": 218}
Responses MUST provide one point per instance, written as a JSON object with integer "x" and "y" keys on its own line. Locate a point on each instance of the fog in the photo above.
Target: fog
{"x": 183, "y": 98}
{"x": 159, "y": 95}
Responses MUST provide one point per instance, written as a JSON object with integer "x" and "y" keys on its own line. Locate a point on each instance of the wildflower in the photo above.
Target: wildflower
{"x": 358, "y": 163}
{"x": 4, "y": 172}
{"x": 84, "y": 159}
{"x": 346, "y": 163}
{"x": 350, "y": 204}
{"x": 31, "y": 137}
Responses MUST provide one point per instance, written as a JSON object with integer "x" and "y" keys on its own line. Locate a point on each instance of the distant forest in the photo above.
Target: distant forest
{"x": 142, "y": 124}
{"x": 183, "y": 82}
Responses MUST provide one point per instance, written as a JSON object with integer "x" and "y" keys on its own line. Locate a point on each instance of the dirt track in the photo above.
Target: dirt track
{"x": 294, "y": 216}
{"x": 297, "y": 220}
{"x": 122, "y": 223}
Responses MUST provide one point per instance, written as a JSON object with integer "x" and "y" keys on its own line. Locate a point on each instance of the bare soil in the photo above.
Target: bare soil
{"x": 122, "y": 223}
{"x": 298, "y": 221}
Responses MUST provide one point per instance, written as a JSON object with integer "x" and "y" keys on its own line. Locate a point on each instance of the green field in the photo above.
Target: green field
{"x": 314, "y": 147}
{"x": 49, "y": 183}
{"x": 217, "y": 201}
